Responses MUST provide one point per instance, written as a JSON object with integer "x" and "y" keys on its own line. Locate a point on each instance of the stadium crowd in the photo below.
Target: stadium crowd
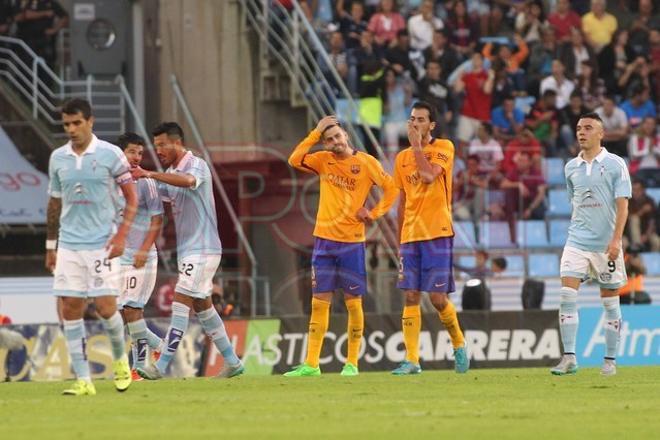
{"x": 510, "y": 79}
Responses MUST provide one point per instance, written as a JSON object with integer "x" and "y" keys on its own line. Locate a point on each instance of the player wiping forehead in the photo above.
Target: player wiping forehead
{"x": 187, "y": 185}
{"x": 140, "y": 261}
{"x": 598, "y": 186}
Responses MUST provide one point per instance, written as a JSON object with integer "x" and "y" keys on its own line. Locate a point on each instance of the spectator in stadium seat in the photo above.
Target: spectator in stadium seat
{"x": 614, "y": 59}
{"x": 463, "y": 32}
{"x": 633, "y": 292}
{"x": 563, "y": 20}
{"x": 38, "y": 22}
{"x": 503, "y": 84}
{"x": 639, "y": 106}
{"x": 644, "y": 147}
{"x": 512, "y": 60}
{"x": 434, "y": 90}
{"x": 573, "y": 53}
{"x": 642, "y": 24}
{"x": 507, "y": 120}
{"x": 543, "y": 120}
{"x": 568, "y": 119}
{"x": 481, "y": 269}
{"x": 338, "y": 58}
{"x": 598, "y": 25}
{"x": 635, "y": 76}
{"x": 486, "y": 148}
{"x": 525, "y": 142}
{"x": 529, "y": 22}
{"x": 398, "y": 98}
{"x": 540, "y": 60}
{"x": 386, "y": 23}
{"x": 397, "y": 55}
{"x": 641, "y": 228}
{"x": 590, "y": 87}
{"x": 422, "y": 26}
{"x": 525, "y": 188}
{"x": 352, "y": 25}
{"x": 615, "y": 126}
{"x": 372, "y": 90}
{"x": 497, "y": 25}
{"x": 558, "y": 82}
{"x": 477, "y": 86}
{"x": 654, "y": 56}
{"x": 469, "y": 189}
{"x": 440, "y": 51}
{"x": 367, "y": 51}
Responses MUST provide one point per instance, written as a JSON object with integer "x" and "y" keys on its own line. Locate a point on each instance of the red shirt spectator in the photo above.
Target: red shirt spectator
{"x": 525, "y": 187}
{"x": 476, "y": 103}
{"x": 563, "y": 20}
{"x": 525, "y": 142}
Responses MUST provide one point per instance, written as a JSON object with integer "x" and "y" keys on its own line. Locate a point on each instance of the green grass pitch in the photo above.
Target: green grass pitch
{"x": 488, "y": 404}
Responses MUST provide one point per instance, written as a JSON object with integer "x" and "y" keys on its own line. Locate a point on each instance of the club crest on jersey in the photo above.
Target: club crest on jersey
{"x": 605, "y": 277}
{"x": 355, "y": 169}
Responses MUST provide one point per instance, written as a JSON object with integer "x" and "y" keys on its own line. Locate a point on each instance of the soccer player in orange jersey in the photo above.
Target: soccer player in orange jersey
{"x": 338, "y": 259}
{"x": 424, "y": 174}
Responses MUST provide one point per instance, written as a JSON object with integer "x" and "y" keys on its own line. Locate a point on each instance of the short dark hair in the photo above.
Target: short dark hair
{"x": 591, "y": 115}
{"x": 171, "y": 129}
{"x": 549, "y": 92}
{"x": 130, "y": 138}
{"x": 488, "y": 127}
{"x": 428, "y": 107}
{"x": 500, "y": 262}
{"x": 77, "y": 105}
{"x": 576, "y": 94}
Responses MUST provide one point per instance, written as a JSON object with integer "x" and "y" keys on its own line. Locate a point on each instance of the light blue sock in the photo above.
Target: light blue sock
{"x": 612, "y": 325}
{"x": 153, "y": 340}
{"x": 568, "y": 318}
{"x": 215, "y": 328}
{"x": 74, "y": 331}
{"x": 114, "y": 327}
{"x": 175, "y": 334}
{"x": 138, "y": 330}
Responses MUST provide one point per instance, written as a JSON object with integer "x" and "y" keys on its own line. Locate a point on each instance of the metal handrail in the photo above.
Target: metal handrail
{"x": 181, "y": 100}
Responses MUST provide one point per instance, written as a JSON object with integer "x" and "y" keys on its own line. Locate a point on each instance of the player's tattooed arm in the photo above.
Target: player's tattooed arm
{"x": 53, "y": 212}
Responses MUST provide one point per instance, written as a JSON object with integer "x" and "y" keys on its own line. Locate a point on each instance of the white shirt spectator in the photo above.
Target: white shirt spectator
{"x": 615, "y": 121}
{"x": 490, "y": 153}
{"x": 563, "y": 90}
{"x": 421, "y": 31}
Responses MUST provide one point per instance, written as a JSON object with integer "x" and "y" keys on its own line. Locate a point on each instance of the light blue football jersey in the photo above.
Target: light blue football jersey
{"x": 193, "y": 209}
{"x": 149, "y": 205}
{"x": 88, "y": 186}
{"x": 593, "y": 189}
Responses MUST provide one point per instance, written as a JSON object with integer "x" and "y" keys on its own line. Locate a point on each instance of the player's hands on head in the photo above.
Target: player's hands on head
{"x": 363, "y": 216}
{"x": 414, "y": 136}
{"x": 51, "y": 257}
{"x": 325, "y": 122}
{"x": 115, "y": 246}
{"x": 140, "y": 259}
{"x": 613, "y": 249}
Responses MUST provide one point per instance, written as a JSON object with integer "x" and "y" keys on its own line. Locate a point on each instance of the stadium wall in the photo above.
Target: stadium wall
{"x": 273, "y": 346}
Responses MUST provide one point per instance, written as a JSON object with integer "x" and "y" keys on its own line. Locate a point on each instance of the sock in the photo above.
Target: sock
{"x": 411, "y": 323}
{"x": 612, "y": 325}
{"x": 215, "y": 329}
{"x": 450, "y": 321}
{"x": 140, "y": 336}
{"x": 318, "y": 325}
{"x": 568, "y": 318}
{"x": 178, "y": 326}
{"x": 114, "y": 327}
{"x": 127, "y": 336}
{"x": 74, "y": 331}
{"x": 355, "y": 329}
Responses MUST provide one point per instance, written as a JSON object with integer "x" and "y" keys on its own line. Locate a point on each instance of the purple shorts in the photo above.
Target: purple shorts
{"x": 426, "y": 266}
{"x": 338, "y": 265}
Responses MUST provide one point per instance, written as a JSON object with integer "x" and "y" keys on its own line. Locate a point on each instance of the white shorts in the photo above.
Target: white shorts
{"x": 581, "y": 264}
{"x": 196, "y": 274}
{"x": 83, "y": 274}
{"x": 467, "y": 128}
{"x": 138, "y": 284}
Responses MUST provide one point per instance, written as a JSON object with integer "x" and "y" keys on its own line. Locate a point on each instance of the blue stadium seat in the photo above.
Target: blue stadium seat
{"x": 559, "y": 206}
{"x": 532, "y": 234}
{"x": 654, "y": 193}
{"x": 464, "y": 237}
{"x": 543, "y": 265}
{"x": 553, "y": 170}
{"x": 652, "y": 262}
{"x": 495, "y": 235}
{"x": 558, "y": 232}
{"x": 515, "y": 266}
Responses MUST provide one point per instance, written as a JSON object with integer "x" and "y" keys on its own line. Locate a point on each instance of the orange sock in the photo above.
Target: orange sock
{"x": 318, "y": 325}
{"x": 411, "y": 323}
{"x": 355, "y": 329}
{"x": 450, "y": 321}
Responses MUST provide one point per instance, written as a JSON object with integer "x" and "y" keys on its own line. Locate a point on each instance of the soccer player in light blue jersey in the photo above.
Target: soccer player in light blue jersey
{"x": 139, "y": 263}
{"x": 187, "y": 186}
{"x": 82, "y": 246}
{"x": 599, "y": 188}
